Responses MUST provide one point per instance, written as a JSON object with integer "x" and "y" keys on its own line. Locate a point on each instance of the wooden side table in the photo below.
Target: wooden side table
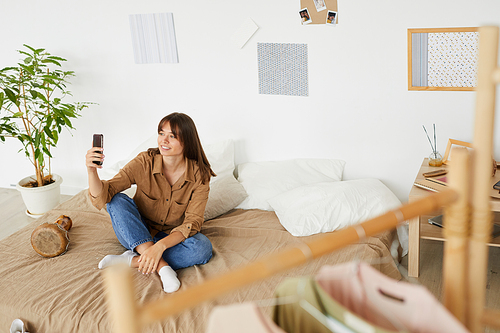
{"x": 420, "y": 228}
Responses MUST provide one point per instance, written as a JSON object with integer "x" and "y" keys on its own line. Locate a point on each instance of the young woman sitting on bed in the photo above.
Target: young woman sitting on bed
{"x": 160, "y": 226}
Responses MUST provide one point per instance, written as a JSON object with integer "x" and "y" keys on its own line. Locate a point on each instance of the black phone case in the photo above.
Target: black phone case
{"x": 98, "y": 142}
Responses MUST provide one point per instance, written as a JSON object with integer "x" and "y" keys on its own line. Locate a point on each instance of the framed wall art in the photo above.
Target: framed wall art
{"x": 452, "y": 144}
{"x": 153, "y": 38}
{"x": 442, "y": 58}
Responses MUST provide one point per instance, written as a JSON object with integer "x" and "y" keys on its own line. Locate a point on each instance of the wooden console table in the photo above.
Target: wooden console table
{"x": 420, "y": 228}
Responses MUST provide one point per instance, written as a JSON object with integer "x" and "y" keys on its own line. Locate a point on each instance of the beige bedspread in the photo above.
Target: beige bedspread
{"x": 65, "y": 294}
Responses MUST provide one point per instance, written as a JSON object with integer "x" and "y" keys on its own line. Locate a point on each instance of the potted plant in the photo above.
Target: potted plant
{"x": 32, "y": 110}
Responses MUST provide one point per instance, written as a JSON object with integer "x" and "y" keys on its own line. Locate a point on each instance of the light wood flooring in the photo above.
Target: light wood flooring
{"x": 12, "y": 211}
{"x": 13, "y": 218}
{"x": 431, "y": 260}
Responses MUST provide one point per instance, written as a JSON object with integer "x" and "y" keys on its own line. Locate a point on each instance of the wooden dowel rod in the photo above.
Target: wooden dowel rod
{"x": 482, "y": 156}
{"x": 491, "y": 318}
{"x": 120, "y": 293}
{"x": 496, "y": 75}
{"x": 456, "y": 232}
{"x": 278, "y": 262}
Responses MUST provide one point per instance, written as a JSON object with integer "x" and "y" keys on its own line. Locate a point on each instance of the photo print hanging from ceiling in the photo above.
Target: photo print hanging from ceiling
{"x": 283, "y": 69}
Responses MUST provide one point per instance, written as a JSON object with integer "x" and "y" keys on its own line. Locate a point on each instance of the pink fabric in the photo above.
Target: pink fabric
{"x": 385, "y": 302}
{"x": 241, "y": 318}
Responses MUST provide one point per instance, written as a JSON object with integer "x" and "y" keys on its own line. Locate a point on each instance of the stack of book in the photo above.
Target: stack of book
{"x": 438, "y": 222}
{"x": 432, "y": 184}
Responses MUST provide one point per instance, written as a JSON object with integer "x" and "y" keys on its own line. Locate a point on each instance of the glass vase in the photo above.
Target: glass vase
{"x": 435, "y": 159}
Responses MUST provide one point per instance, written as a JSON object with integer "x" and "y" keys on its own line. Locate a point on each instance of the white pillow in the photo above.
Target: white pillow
{"x": 265, "y": 180}
{"x": 329, "y": 206}
{"x": 109, "y": 172}
{"x": 220, "y": 155}
{"x": 225, "y": 194}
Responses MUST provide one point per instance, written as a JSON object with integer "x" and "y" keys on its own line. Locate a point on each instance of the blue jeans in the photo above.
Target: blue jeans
{"x": 132, "y": 231}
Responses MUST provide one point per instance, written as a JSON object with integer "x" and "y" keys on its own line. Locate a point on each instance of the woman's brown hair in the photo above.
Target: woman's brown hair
{"x": 184, "y": 129}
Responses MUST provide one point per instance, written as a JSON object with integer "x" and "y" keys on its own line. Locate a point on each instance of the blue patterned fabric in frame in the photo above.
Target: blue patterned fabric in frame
{"x": 283, "y": 69}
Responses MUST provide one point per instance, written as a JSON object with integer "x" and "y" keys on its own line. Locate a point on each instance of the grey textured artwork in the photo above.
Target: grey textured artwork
{"x": 283, "y": 69}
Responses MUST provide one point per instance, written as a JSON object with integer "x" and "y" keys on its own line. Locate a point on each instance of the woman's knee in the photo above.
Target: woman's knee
{"x": 127, "y": 222}
{"x": 118, "y": 201}
{"x": 122, "y": 207}
{"x": 204, "y": 241}
{"x": 195, "y": 250}
{"x": 203, "y": 248}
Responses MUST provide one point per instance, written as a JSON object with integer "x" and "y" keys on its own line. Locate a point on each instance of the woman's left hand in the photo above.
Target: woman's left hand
{"x": 149, "y": 259}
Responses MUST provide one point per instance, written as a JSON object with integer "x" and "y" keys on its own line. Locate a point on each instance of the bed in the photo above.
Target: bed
{"x": 66, "y": 294}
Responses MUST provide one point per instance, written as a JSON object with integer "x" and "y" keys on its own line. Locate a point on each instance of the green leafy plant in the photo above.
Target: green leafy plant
{"x": 32, "y": 108}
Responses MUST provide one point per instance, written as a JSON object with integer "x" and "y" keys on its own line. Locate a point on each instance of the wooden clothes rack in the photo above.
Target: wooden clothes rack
{"x": 469, "y": 221}
{"x": 465, "y": 300}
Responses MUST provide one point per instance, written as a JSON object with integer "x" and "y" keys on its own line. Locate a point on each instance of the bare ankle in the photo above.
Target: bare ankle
{"x": 161, "y": 264}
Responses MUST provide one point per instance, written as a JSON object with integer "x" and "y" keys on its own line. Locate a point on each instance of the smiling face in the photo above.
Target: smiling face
{"x": 168, "y": 143}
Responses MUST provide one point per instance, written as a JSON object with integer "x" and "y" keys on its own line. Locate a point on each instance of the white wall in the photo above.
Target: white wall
{"x": 358, "y": 109}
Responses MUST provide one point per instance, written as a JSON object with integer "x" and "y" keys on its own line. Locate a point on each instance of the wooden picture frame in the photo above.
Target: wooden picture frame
{"x": 416, "y": 51}
{"x": 452, "y": 142}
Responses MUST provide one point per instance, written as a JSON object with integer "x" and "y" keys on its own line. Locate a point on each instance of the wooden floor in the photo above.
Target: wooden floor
{"x": 13, "y": 218}
{"x": 13, "y": 212}
{"x": 431, "y": 260}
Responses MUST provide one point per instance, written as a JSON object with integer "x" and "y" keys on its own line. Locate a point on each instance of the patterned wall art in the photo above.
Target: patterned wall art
{"x": 452, "y": 59}
{"x": 283, "y": 69}
{"x": 442, "y": 58}
{"x": 153, "y": 38}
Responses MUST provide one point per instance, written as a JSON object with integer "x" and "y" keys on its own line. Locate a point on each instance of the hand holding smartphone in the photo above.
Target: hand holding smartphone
{"x": 98, "y": 141}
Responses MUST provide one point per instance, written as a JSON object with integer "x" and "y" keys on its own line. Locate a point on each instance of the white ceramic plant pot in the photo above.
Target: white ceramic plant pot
{"x": 39, "y": 200}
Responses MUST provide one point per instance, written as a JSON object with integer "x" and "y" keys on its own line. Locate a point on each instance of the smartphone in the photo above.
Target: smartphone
{"x": 98, "y": 142}
{"x": 497, "y": 185}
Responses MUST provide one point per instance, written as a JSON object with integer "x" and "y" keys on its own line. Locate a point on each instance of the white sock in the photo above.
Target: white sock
{"x": 110, "y": 259}
{"x": 169, "y": 279}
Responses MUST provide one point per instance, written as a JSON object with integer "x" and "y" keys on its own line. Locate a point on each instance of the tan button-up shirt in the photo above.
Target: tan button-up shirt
{"x": 179, "y": 207}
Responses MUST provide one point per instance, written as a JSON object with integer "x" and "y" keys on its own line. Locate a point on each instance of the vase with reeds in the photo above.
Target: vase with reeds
{"x": 435, "y": 158}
